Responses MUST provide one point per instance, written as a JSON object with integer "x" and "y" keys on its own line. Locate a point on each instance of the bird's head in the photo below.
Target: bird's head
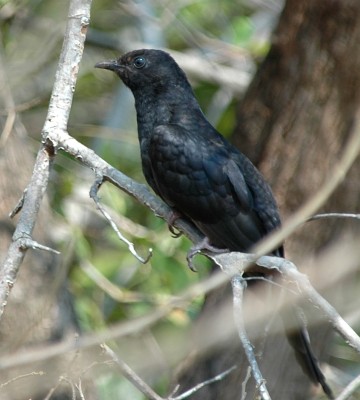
{"x": 146, "y": 68}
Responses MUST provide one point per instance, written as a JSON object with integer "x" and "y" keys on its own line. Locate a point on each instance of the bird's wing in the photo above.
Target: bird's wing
{"x": 263, "y": 201}
{"x": 239, "y": 185}
{"x": 202, "y": 179}
{"x": 242, "y": 224}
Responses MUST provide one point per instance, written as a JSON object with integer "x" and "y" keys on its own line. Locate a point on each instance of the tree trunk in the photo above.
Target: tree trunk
{"x": 293, "y": 123}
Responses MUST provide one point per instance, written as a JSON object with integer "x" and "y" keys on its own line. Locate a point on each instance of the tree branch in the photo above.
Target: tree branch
{"x": 94, "y": 195}
{"x": 200, "y": 385}
{"x": 238, "y": 286}
{"x": 56, "y": 120}
{"x": 235, "y": 263}
{"x": 334, "y": 215}
{"x": 145, "y": 389}
{"x": 87, "y": 340}
{"x": 131, "y": 375}
{"x": 22, "y": 235}
{"x": 232, "y": 264}
{"x": 350, "y": 389}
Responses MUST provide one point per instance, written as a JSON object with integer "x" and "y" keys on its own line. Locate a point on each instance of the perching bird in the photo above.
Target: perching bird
{"x": 197, "y": 172}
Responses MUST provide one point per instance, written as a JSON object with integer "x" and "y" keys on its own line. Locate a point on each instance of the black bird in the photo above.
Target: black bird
{"x": 198, "y": 173}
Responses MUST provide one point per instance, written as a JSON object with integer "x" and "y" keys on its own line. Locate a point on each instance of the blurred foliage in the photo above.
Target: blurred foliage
{"x": 103, "y": 118}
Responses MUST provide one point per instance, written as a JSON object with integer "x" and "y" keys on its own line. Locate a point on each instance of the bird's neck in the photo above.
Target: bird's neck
{"x": 173, "y": 104}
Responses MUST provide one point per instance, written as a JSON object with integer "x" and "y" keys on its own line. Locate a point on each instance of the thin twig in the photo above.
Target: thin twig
{"x": 238, "y": 286}
{"x": 21, "y": 377}
{"x": 350, "y": 389}
{"x": 334, "y": 215}
{"x": 235, "y": 263}
{"x": 30, "y": 356}
{"x": 131, "y": 375}
{"x": 94, "y": 195}
{"x": 244, "y": 383}
{"x": 80, "y": 390}
{"x": 144, "y": 388}
{"x": 291, "y": 273}
{"x": 118, "y": 294}
{"x": 200, "y": 385}
{"x": 26, "y": 243}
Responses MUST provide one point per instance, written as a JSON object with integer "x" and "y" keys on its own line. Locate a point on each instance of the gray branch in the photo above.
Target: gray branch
{"x": 238, "y": 286}
{"x": 56, "y": 121}
{"x": 334, "y": 215}
{"x": 236, "y": 263}
{"x": 350, "y": 389}
{"x": 94, "y": 195}
{"x": 130, "y": 374}
{"x": 144, "y": 388}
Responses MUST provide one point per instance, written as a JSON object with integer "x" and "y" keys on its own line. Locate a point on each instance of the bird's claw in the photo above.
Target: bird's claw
{"x": 189, "y": 258}
{"x": 175, "y": 233}
{"x": 174, "y": 215}
{"x": 204, "y": 244}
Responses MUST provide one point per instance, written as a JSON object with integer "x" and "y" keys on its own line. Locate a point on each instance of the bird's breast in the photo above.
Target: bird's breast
{"x": 187, "y": 178}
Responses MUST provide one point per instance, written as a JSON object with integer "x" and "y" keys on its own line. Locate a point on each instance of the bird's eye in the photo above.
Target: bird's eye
{"x": 139, "y": 62}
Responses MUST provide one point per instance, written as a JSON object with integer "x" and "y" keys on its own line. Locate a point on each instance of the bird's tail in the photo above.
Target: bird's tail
{"x": 299, "y": 340}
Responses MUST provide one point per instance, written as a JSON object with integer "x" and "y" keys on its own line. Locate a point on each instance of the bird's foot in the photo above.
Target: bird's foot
{"x": 204, "y": 244}
{"x": 174, "y": 215}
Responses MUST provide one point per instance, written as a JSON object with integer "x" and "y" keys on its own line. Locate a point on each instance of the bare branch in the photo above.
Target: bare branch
{"x": 26, "y": 223}
{"x": 93, "y": 194}
{"x": 350, "y": 389}
{"x": 334, "y": 215}
{"x": 80, "y": 390}
{"x": 27, "y": 243}
{"x": 21, "y": 377}
{"x": 199, "y": 386}
{"x": 238, "y": 287}
{"x": 232, "y": 263}
{"x": 131, "y": 375}
{"x": 147, "y": 390}
{"x": 30, "y": 356}
{"x": 235, "y": 263}
{"x": 118, "y": 294}
{"x": 244, "y": 383}
{"x": 56, "y": 120}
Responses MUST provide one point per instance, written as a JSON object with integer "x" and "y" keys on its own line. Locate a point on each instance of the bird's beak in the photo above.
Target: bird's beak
{"x": 112, "y": 65}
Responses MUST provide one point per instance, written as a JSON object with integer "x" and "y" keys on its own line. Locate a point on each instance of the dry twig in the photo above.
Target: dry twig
{"x": 145, "y": 389}
{"x": 238, "y": 286}
{"x": 350, "y": 389}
